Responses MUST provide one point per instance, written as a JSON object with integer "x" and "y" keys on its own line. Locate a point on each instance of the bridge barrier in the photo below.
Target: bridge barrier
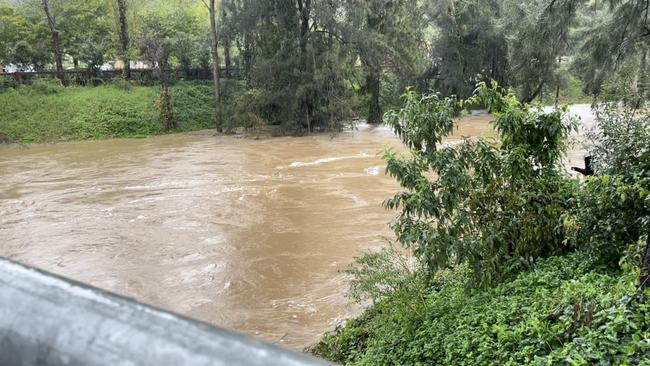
{"x": 50, "y": 320}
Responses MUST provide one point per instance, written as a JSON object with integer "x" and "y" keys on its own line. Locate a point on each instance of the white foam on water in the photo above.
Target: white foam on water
{"x": 300, "y": 164}
{"x": 373, "y": 170}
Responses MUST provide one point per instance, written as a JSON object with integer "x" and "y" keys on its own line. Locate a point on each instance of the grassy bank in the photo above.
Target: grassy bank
{"x": 46, "y": 113}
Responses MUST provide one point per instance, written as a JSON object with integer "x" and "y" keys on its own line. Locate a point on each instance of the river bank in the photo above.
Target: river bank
{"x": 48, "y": 113}
{"x": 243, "y": 233}
{"x": 516, "y": 263}
{"x": 51, "y": 114}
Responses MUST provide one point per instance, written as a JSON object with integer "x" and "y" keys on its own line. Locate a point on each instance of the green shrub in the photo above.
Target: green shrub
{"x": 121, "y": 84}
{"x": 194, "y": 105}
{"x": 7, "y": 83}
{"x": 165, "y": 109}
{"x": 494, "y": 211}
{"x": 496, "y": 204}
{"x": 247, "y": 110}
{"x": 44, "y": 86}
{"x": 612, "y": 211}
{"x": 377, "y": 275}
{"x": 562, "y": 311}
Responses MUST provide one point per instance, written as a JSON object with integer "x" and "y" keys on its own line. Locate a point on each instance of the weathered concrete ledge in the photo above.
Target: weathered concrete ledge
{"x": 49, "y": 320}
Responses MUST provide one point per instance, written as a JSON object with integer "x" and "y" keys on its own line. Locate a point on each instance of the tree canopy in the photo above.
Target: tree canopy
{"x": 311, "y": 65}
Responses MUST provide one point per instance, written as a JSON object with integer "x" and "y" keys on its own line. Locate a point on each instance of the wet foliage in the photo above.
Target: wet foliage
{"x": 495, "y": 204}
{"x": 515, "y": 261}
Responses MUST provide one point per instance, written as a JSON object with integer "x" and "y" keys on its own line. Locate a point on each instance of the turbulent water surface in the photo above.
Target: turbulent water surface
{"x": 246, "y": 234}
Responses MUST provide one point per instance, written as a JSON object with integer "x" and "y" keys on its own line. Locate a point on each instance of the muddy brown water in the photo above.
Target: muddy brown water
{"x": 247, "y": 234}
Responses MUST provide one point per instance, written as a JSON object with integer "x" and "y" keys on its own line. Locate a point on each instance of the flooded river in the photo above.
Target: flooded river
{"x": 246, "y": 234}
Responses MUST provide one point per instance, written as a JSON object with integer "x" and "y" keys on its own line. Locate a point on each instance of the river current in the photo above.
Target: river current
{"x": 251, "y": 235}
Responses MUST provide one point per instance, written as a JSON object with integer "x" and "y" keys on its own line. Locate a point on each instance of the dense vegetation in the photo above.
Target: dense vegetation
{"x": 513, "y": 261}
{"x": 504, "y": 257}
{"x": 316, "y": 65}
{"x": 45, "y": 111}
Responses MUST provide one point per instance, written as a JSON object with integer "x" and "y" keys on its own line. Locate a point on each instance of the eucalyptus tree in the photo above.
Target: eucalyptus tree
{"x": 123, "y": 32}
{"x": 615, "y": 36}
{"x": 387, "y": 35}
{"x": 469, "y": 40}
{"x": 215, "y": 61}
{"x": 56, "y": 40}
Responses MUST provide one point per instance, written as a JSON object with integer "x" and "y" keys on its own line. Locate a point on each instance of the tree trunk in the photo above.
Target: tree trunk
{"x": 305, "y": 10}
{"x": 226, "y": 55}
{"x": 644, "y": 279}
{"x": 557, "y": 86}
{"x": 58, "y": 56}
{"x": 215, "y": 65}
{"x": 124, "y": 38}
{"x": 373, "y": 84}
{"x": 305, "y": 13}
{"x": 528, "y": 96}
{"x": 226, "y": 42}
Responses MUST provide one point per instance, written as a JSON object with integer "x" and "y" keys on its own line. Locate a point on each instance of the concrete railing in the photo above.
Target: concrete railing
{"x": 49, "y": 320}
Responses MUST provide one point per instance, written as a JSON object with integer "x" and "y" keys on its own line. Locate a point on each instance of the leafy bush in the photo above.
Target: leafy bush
{"x": 121, "y": 84}
{"x": 44, "y": 86}
{"x": 620, "y": 141}
{"x": 492, "y": 210}
{"x": 165, "y": 109}
{"x": 248, "y": 110}
{"x": 559, "y": 312}
{"x": 612, "y": 211}
{"x": 496, "y": 205}
{"x": 7, "y": 83}
{"x": 193, "y": 105}
{"x": 378, "y": 275}
{"x": 609, "y": 217}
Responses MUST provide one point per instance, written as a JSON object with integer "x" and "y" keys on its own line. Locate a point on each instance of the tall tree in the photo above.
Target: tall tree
{"x": 387, "y": 35}
{"x": 124, "y": 37}
{"x": 616, "y": 37}
{"x": 56, "y": 42}
{"x": 85, "y": 28}
{"x": 541, "y": 38}
{"x": 23, "y": 42}
{"x": 469, "y": 41}
{"x": 226, "y": 34}
{"x": 215, "y": 63}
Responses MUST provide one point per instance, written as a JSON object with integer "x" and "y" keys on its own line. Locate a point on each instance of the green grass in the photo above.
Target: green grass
{"x": 31, "y": 115}
{"x": 560, "y": 312}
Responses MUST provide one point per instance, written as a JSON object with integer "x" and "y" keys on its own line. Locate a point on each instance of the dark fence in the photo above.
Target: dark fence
{"x": 86, "y": 77}
{"x": 50, "y": 320}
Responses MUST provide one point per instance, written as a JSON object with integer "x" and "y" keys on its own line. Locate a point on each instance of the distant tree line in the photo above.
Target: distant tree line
{"x": 316, "y": 64}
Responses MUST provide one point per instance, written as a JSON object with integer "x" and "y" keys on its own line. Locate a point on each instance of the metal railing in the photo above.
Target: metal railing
{"x": 49, "y": 320}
